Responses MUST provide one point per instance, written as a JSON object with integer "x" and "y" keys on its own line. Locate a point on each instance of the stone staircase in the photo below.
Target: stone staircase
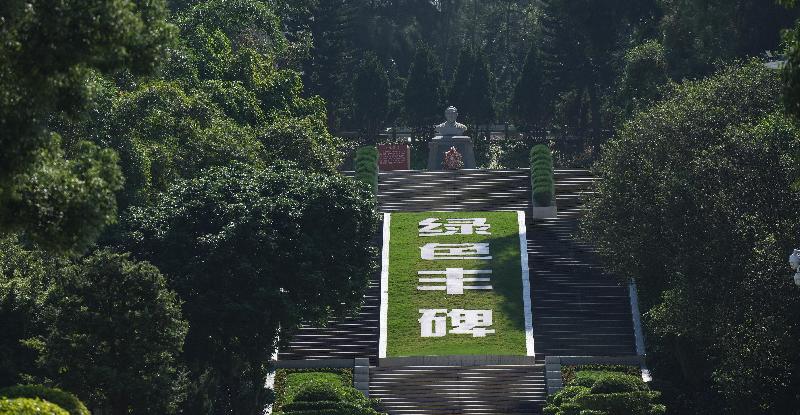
{"x": 347, "y": 338}
{"x": 578, "y": 310}
{"x": 476, "y": 390}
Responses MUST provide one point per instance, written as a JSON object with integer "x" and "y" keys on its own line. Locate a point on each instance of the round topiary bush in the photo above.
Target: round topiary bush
{"x": 595, "y": 392}
{"x": 618, "y": 383}
{"x": 319, "y": 391}
{"x": 568, "y": 394}
{"x": 628, "y": 403}
{"x": 588, "y": 378}
{"x": 63, "y": 399}
{"x": 26, "y": 406}
{"x": 323, "y": 398}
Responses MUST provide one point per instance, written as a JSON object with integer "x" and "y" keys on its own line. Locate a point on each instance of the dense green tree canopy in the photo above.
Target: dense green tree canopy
{"x": 104, "y": 327}
{"x": 46, "y": 49}
{"x": 252, "y": 252}
{"x": 683, "y": 208}
{"x": 25, "y": 277}
{"x": 114, "y": 332}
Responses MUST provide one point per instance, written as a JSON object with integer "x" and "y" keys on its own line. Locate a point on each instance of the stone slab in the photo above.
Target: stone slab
{"x": 552, "y": 367}
{"x": 544, "y": 212}
{"x": 550, "y": 360}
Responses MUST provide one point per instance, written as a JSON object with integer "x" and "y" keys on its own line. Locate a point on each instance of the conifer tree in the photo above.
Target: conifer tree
{"x": 528, "y": 102}
{"x": 371, "y": 96}
{"x": 460, "y": 85}
{"x": 480, "y": 92}
{"x": 423, "y": 96}
{"x": 471, "y": 89}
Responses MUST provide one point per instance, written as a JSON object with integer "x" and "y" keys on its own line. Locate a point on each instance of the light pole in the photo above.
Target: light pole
{"x": 794, "y": 262}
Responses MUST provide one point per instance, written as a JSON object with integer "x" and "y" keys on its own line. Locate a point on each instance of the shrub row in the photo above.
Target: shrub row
{"x": 604, "y": 393}
{"x": 288, "y": 382}
{"x": 568, "y": 372}
{"x": 542, "y": 180}
{"x": 329, "y": 398}
{"x": 366, "y": 162}
{"x": 63, "y": 399}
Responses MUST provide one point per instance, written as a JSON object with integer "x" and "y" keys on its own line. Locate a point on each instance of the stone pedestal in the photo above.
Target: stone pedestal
{"x": 440, "y": 144}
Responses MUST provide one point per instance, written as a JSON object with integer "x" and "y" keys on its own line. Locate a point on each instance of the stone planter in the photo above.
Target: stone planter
{"x": 544, "y": 212}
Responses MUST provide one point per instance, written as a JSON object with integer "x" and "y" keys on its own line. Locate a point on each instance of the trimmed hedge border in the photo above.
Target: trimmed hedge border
{"x": 366, "y": 167}
{"x": 63, "y": 399}
{"x": 330, "y": 398}
{"x": 568, "y": 372}
{"x": 542, "y": 175}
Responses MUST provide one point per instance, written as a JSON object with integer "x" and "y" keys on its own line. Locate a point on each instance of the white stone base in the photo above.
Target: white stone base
{"x": 544, "y": 212}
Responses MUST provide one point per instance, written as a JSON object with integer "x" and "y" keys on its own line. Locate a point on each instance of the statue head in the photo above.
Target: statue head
{"x": 451, "y": 113}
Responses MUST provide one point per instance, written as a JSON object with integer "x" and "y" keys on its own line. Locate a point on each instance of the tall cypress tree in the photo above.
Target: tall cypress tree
{"x": 460, "y": 85}
{"x": 471, "y": 89}
{"x": 423, "y": 95}
{"x": 481, "y": 95}
{"x": 528, "y": 102}
{"x": 371, "y": 96}
{"x": 326, "y": 73}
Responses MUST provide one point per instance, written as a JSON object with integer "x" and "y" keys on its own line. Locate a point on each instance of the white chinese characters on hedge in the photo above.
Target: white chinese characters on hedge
{"x": 433, "y": 322}
{"x": 453, "y": 280}
{"x": 438, "y": 252}
{"x": 457, "y": 226}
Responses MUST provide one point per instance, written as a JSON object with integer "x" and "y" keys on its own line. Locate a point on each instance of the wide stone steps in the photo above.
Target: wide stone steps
{"x": 348, "y": 338}
{"x": 473, "y": 390}
{"x": 578, "y": 309}
{"x": 477, "y": 190}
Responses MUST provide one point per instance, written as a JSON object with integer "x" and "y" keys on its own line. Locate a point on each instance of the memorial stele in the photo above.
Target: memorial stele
{"x": 450, "y": 134}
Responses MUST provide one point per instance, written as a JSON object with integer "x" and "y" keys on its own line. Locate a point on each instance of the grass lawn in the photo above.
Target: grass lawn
{"x": 505, "y": 299}
{"x": 288, "y": 382}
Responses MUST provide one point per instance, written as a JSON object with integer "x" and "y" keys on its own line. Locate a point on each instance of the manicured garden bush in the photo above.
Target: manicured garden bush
{"x": 289, "y": 382}
{"x": 65, "y": 400}
{"x": 568, "y": 372}
{"x": 366, "y": 166}
{"x": 595, "y": 392}
{"x": 542, "y": 180}
{"x": 331, "y": 398}
{"x": 618, "y": 383}
{"x": 25, "y": 406}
